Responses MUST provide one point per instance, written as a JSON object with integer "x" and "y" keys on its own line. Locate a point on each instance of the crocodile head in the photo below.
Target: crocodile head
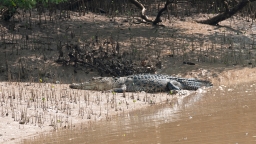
{"x": 96, "y": 83}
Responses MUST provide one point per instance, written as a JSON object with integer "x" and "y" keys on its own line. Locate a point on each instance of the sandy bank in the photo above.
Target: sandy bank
{"x": 32, "y": 108}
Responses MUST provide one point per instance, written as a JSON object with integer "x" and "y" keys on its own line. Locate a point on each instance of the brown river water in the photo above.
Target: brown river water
{"x": 225, "y": 114}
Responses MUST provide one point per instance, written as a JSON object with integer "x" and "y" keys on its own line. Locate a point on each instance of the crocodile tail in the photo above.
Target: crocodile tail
{"x": 202, "y": 83}
{"x": 209, "y": 84}
{"x": 193, "y": 84}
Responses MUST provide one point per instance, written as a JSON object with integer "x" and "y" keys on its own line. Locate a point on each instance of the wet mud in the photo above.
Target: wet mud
{"x": 225, "y": 114}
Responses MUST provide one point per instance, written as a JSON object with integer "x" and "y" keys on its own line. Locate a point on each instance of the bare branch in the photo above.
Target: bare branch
{"x": 142, "y": 8}
{"x": 226, "y": 5}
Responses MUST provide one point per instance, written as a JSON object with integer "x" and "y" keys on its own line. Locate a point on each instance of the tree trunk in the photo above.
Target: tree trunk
{"x": 158, "y": 19}
{"x": 8, "y": 13}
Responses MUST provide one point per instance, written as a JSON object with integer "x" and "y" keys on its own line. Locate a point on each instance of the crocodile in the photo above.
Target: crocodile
{"x": 141, "y": 82}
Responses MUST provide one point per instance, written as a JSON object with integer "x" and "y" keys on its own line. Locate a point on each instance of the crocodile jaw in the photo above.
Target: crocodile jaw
{"x": 91, "y": 86}
{"x": 84, "y": 86}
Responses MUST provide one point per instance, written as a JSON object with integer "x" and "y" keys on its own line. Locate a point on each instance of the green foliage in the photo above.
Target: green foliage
{"x": 26, "y": 4}
{"x": 19, "y": 3}
{"x": 12, "y": 5}
{"x": 46, "y": 2}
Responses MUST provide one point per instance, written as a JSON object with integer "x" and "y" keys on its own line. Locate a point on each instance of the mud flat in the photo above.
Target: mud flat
{"x": 28, "y": 109}
{"x": 225, "y": 114}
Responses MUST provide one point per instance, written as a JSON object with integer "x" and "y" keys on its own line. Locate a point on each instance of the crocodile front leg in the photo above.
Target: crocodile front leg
{"x": 76, "y": 86}
{"x": 122, "y": 89}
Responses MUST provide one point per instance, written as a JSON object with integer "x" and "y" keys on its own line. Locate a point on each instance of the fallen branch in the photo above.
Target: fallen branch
{"x": 227, "y": 14}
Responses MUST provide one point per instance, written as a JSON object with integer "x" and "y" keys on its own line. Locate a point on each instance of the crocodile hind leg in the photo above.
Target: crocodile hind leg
{"x": 174, "y": 85}
{"x": 119, "y": 90}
